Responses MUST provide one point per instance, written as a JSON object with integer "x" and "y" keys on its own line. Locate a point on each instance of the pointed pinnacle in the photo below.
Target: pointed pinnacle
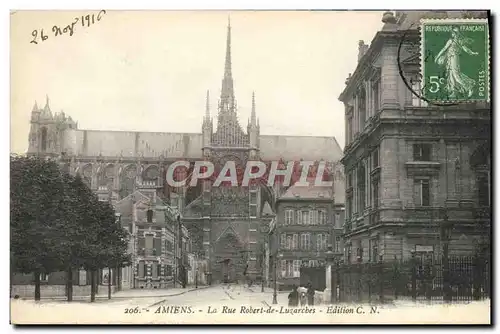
{"x": 253, "y": 108}
{"x": 207, "y": 108}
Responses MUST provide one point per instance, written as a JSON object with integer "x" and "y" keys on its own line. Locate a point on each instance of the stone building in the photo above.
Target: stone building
{"x": 225, "y": 224}
{"x": 157, "y": 255}
{"x": 308, "y": 220}
{"x": 410, "y": 164}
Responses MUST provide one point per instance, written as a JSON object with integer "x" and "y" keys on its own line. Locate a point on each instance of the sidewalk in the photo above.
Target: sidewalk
{"x": 267, "y": 290}
{"x": 282, "y": 296}
{"x": 255, "y": 295}
{"x": 128, "y": 294}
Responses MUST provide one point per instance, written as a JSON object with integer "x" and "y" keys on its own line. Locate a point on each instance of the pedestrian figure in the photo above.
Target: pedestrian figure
{"x": 310, "y": 294}
{"x": 293, "y": 297}
{"x": 303, "y": 298}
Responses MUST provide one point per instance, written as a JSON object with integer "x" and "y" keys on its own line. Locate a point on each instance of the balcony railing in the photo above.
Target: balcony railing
{"x": 483, "y": 213}
{"x": 148, "y": 252}
{"x": 423, "y": 213}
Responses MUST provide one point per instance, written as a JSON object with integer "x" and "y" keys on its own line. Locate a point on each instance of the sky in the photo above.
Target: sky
{"x": 150, "y": 70}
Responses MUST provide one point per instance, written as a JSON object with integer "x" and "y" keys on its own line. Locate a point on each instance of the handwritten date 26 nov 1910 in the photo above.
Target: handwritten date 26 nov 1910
{"x": 84, "y": 20}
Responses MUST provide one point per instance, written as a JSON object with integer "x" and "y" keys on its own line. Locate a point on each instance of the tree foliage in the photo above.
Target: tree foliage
{"x": 57, "y": 222}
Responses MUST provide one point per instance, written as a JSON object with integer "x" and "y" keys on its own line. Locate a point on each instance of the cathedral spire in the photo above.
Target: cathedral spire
{"x": 207, "y": 107}
{"x": 227, "y": 93}
{"x": 47, "y": 102}
{"x": 46, "y": 112}
{"x": 253, "y": 115}
{"x": 227, "y": 64}
{"x": 35, "y": 107}
{"x": 229, "y": 132}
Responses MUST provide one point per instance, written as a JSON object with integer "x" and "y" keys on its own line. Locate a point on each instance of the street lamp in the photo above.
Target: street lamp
{"x": 196, "y": 257}
{"x": 446, "y": 230}
{"x": 381, "y": 275}
{"x": 262, "y": 259}
{"x": 275, "y": 294}
{"x": 330, "y": 258}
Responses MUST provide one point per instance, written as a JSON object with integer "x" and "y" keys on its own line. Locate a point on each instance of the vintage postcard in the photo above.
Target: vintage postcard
{"x": 250, "y": 167}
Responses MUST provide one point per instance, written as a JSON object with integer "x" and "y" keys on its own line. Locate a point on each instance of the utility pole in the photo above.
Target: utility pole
{"x": 262, "y": 274}
{"x": 196, "y": 271}
{"x": 109, "y": 282}
{"x": 181, "y": 253}
{"x": 446, "y": 230}
{"x": 174, "y": 232}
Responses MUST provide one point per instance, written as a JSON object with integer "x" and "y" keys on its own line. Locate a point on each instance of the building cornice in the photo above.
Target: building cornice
{"x": 303, "y": 199}
{"x": 366, "y": 61}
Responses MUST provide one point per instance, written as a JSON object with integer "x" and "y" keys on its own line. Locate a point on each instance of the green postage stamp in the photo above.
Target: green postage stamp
{"x": 455, "y": 55}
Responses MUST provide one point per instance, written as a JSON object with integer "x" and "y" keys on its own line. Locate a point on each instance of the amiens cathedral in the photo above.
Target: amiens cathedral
{"x": 223, "y": 222}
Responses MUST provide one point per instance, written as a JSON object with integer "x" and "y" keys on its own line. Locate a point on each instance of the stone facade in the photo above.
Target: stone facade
{"x": 408, "y": 163}
{"x": 155, "y": 232}
{"x": 307, "y": 220}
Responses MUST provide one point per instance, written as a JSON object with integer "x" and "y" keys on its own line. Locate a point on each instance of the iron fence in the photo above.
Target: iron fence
{"x": 418, "y": 278}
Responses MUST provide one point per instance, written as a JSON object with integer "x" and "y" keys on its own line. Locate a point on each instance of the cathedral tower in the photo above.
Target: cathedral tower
{"x": 50, "y": 134}
{"x": 229, "y": 214}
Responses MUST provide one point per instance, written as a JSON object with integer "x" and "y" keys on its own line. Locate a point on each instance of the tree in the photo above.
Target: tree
{"x": 36, "y": 188}
{"x": 57, "y": 223}
{"x": 106, "y": 242}
{"x": 114, "y": 241}
{"x": 76, "y": 208}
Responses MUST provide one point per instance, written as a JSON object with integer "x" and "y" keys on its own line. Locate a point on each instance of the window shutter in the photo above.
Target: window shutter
{"x": 141, "y": 269}
{"x": 417, "y": 192}
{"x": 157, "y": 246}
{"x": 154, "y": 270}
{"x": 426, "y": 193}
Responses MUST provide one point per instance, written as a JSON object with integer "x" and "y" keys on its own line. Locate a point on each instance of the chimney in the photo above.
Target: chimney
{"x": 362, "y": 48}
{"x": 388, "y": 17}
{"x": 390, "y": 23}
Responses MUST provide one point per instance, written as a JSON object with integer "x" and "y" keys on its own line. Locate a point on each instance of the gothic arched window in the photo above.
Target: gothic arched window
{"x": 127, "y": 180}
{"x": 151, "y": 173}
{"x": 149, "y": 214}
{"x": 44, "y": 139}
{"x": 106, "y": 176}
